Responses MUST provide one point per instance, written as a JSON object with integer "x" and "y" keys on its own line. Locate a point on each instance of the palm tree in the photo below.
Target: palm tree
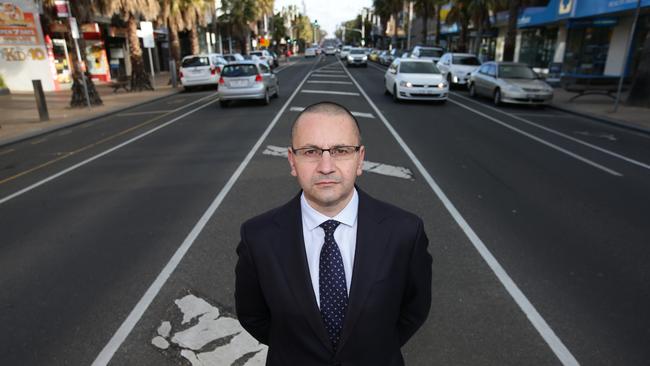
{"x": 460, "y": 14}
{"x": 480, "y": 15}
{"x": 423, "y": 10}
{"x": 383, "y": 11}
{"x": 395, "y": 7}
{"x": 238, "y": 14}
{"x": 172, "y": 15}
{"x": 194, "y": 12}
{"x": 132, "y": 11}
{"x": 83, "y": 11}
{"x": 511, "y": 34}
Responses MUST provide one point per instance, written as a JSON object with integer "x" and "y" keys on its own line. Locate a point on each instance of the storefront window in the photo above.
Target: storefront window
{"x": 538, "y": 46}
{"x": 586, "y": 50}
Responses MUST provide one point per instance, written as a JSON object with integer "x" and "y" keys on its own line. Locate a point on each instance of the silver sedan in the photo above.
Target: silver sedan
{"x": 247, "y": 80}
{"x": 509, "y": 82}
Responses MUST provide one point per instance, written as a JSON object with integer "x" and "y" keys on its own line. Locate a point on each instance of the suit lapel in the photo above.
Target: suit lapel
{"x": 368, "y": 253}
{"x": 290, "y": 251}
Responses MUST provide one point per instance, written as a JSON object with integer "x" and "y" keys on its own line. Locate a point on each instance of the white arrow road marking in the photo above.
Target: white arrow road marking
{"x": 368, "y": 166}
{"x": 329, "y": 82}
{"x": 329, "y": 76}
{"x": 356, "y": 114}
{"x": 235, "y": 344}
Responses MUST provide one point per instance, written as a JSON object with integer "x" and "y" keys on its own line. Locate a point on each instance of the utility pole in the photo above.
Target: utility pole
{"x": 408, "y": 40}
{"x": 627, "y": 52}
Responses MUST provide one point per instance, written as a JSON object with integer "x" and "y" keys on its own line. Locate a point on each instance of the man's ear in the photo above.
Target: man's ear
{"x": 362, "y": 157}
{"x": 292, "y": 161}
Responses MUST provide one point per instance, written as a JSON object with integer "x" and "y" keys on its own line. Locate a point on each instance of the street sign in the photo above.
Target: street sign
{"x": 73, "y": 28}
{"x": 147, "y": 34}
{"x": 62, "y": 8}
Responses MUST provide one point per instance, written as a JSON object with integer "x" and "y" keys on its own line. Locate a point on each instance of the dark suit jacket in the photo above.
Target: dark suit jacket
{"x": 390, "y": 294}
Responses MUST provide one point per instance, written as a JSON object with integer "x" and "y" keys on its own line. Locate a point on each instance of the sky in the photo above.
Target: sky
{"x": 329, "y": 13}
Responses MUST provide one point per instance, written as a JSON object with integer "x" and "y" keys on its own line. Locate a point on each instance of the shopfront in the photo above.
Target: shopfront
{"x": 587, "y": 46}
{"x": 537, "y": 46}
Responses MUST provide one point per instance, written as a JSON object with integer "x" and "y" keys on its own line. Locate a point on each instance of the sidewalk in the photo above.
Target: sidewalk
{"x": 19, "y": 117}
{"x": 601, "y": 108}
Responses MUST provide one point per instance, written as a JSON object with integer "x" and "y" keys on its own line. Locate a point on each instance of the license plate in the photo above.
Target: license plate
{"x": 238, "y": 83}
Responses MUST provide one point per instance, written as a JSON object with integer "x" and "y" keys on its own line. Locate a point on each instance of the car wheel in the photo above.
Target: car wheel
{"x": 395, "y": 96}
{"x": 224, "y": 103}
{"x": 497, "y": 97}
{"x": 187, "y": 89}
{"x": 267, "y": 98}
{"x": 277, "y": 91}
{"x": 472, "y": 90}
{"x": 386, "y": 91}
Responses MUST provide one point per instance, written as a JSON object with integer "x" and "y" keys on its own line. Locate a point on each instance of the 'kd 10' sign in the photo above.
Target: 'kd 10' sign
{"x": 18, "y": 54}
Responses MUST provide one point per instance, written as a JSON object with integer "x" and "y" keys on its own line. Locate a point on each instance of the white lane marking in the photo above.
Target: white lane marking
{"x": 68, "y": 170}
{"x": 36, "y": 142}
{"x": 4, "y": 152}
{"x": 331, "y": 71}
{"x": 608, "y": 152}
{"x": 142, "y": 113}
{"x": 554, "y": 342}
{"x": 540, "y": 140}
{"x": 328, "y": 92}
{"x": 356, "y": 114}
{"x": 329, "y": 82}
{"x": 129, "y": 323}
{"x": 368, "y": 166}
{"x": 600, "y": 135}
{"x": 64, "y": 132}
{"x": 210, "y": 325}
{"x": 328, "y": 76}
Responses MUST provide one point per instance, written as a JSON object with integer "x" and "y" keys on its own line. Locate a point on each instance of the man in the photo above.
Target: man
{"x": 333, "y": 277}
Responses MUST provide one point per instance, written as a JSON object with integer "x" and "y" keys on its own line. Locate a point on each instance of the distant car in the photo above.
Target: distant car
{"x": 247, "y": 80}
{"x": 276, "y": 59}
{"x": 415, "y": 79}
{"x": 263, "y": 55}
{"x": 310, "y": 52}
{"x": 457, "y": 67}
{"x": 374, "y": 55}
{"x": 509, "y": 82}
{"x": 384, "y": 58}
{"x": 427, "y": 53}
{"x": 356, "y": 57}
{"x": 201, "y": 70}
{"x": 330, "y": 51}
{"x": 344, "y": 52}
{"x": 233, "y": 57}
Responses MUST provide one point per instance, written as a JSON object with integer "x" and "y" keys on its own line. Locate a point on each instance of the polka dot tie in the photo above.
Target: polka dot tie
{"x": 331, "y": 284}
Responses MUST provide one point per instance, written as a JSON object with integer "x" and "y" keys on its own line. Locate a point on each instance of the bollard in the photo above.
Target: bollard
{"x": 41, "y": 104}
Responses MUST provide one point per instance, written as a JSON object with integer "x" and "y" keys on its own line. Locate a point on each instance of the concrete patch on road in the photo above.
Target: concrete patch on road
{"x": 368, "y": 166}
{"x": 208, "y": 336}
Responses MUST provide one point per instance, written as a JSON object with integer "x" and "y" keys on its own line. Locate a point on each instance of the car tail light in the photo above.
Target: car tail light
{"x": 218, "y": 69}
{"x": 213, "y": 71}
{"x": 221, "y": 81}
{"x": 180, "y": 74}
{"x": 258, "y": 78}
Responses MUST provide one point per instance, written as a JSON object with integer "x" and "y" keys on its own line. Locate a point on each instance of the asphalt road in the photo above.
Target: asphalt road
{"x": 538, "y": 223}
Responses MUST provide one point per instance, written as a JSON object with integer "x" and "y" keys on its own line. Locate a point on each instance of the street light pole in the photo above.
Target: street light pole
{"x": 408, "y": 40}
{"x": 627, "y": 53}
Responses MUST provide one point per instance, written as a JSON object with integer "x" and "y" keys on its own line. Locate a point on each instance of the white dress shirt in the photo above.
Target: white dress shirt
{"x": 345, "y": 237}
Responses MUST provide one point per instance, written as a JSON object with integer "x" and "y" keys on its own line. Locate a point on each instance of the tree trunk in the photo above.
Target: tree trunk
{"x": 425, "y": 24}
{"x": 479, "y": 32}
{"x": 640, "y": 90}
{"x": 194, "y": 40}
{"x": 175, "y": 45}
{"x": 78, "y": 96}
{"x": 139, "y": 78}
{"x": 438, "y": 8}
{"x": 511, "y": 35}
{"x": 462, "y": 45}
{"x": 394, "y": 40}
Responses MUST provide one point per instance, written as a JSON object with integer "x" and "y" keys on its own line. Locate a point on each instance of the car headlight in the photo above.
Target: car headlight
{"x": 350, "y": 58}
{"x": 364, "y": 58}
{"x": 405, "y": 84}
{"x": 442, "y": 85}
{"x": 513, "y": 88}
{"x": 455, "y": 79}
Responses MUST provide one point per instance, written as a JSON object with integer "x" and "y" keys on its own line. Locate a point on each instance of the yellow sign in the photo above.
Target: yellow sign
{"x": 264, "y": 42}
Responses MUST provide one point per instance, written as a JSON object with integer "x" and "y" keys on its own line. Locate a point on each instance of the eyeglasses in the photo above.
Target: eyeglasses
{"x": 316, "y": 153}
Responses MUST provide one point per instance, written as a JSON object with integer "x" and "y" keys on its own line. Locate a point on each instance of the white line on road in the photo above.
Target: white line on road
{"x": 368, "y": 166}
{"x": 554, "y": 342}
{"x": 328, "y": 76}
{"x": 611, "y": 153}
{"x": 356, "y": 114}
{"x": 4, "y": 152}
{"x": 329, "y": 82}
{"x": 328, "y": 92}
{"x": 540, "y": 140}
{"x": 69, "y": 169}
{"x": 142, "y": 113}
{"x": 129, "y": 323}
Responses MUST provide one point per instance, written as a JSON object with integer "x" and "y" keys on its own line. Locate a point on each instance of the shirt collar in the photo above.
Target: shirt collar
{"x": 312, "y": 218}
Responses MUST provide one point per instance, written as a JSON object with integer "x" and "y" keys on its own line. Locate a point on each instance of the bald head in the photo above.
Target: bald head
{"x": 328, "y": 109}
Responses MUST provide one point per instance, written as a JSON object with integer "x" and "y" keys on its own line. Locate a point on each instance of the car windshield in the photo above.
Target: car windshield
{"x": 239, "y": 70}
{"x": 357, "y": 51}
{"x": 430, "y": 52}
{"x": 516, "y": 72}
{"x": 230, "y": 57}
{"x": 466, "y": 60}
{"x": 196, "y": 61}
{"x": 257, "y": 53}
{"x": 418, "y": 68}
{"x": 345, "y": 49}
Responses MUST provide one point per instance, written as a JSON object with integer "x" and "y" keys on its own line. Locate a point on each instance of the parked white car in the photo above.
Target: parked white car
{"x": 310, "y": 52}
{"x": 264, "y": 55}
{"x": 415, "y": 79}
{"x": 457, "y": 67}
{"x": 344, "y": 52}
{"x": 426, "y": 53}
{"x": 509, "y": 82}
{"x": 201, "y": 70}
